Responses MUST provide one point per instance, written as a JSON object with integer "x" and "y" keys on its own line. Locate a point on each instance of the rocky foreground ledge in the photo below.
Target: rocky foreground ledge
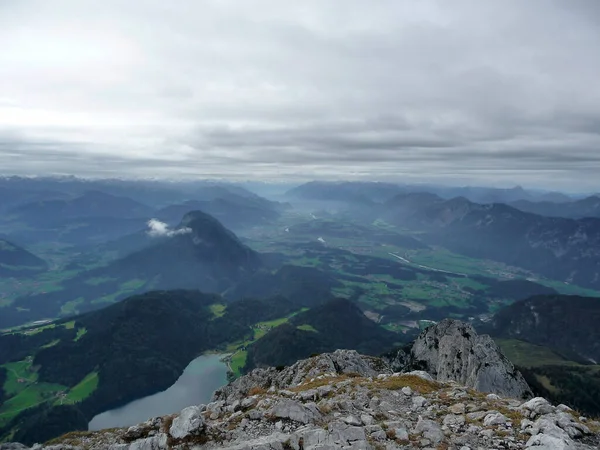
{"x": 344, "y": 400}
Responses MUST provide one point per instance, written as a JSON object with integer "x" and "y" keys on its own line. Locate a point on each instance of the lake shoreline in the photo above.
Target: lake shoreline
{"x": 203, "y": 375}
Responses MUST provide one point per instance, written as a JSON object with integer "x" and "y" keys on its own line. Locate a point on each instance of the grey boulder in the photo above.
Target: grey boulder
{"x": 189, "y": 422}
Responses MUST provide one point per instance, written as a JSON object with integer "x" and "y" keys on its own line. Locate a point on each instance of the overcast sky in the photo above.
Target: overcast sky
{"x": 482, "y": 92}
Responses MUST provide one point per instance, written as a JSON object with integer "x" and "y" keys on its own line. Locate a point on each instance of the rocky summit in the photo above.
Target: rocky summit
{"x": 452, "y": 350}
{"x": 344, "y": 400}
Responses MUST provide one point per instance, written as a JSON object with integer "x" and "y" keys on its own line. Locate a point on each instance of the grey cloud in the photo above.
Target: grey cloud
{"x": 384, "y": 89}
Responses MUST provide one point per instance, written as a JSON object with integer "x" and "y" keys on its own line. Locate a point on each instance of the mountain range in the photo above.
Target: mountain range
{"x": 199, "y": 254}
{"x": 576, "y": 209}
{"x": 380, "y": 192}
{"x": 553, "y": 339}
{"x": 567, "y": 324}
{"x": 558, "y": 248}
{"x": 90, "y": 204}
{"x": 338, "y": 323}
{"x": 142, "y": 278}
{"x": 86, "y": 212}
{"x": 234, "y": 212}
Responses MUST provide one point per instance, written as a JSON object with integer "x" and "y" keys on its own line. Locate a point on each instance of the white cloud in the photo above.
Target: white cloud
{"x": 156, "y": 228}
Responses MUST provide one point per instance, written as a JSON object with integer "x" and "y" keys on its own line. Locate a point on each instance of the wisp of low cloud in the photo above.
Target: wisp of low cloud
{"x": 156, "y": 228}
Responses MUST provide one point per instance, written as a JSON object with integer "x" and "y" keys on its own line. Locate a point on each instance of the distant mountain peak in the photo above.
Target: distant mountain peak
{"x": 205, "y": 227}
{"x": 199, "y": 218}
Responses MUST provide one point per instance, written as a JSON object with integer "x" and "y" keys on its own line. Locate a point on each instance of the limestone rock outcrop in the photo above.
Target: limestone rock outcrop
{"x": 452, "y": 350}
{"x": 339, "y": 362}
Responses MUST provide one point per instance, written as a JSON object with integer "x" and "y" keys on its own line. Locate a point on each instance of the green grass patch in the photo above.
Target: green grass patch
{"x": 69, "y": 325}
{"x": 217, "y": 309}
{"x": 379, "y": 223}
{"x": 238, "y": 361}
{"x": 39, "y": 329}
{"x": 32, "y": 395}
{"x": 235, "y": 346}
{"x": 95, "y": 281}
{"x": 80, "y": 333}
{"x": 424, "y": 324}
{"x": 470, "y": 283}
{"x": 273, "y": 323}
{"x": 526, "y": 354}
{"x": 395, "y": 328}
{"x": 132, "y": 285}
{"x": 19, "y": 376}
{"x": 546, "y": 383}
{"x": 112, "y": 298}
{"x": 24, "y": 390}
{"x": 259, "y": 333}
{"x": 568, "y": 289}
{"x": 307, "y": 327}
{"x": 442, "y": 259}
{"x": 70, "y": 307}
{"x": 306, "y": 262}
{"x": 83, "y": 389}
{"x": 262, "y": 328}
{"x": 51, "y": 344}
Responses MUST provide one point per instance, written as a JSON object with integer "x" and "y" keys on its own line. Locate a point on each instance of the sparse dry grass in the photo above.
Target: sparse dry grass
{"x": 167, "y": 422}
{"x": 325, "y": 409}
{"x": 593, "y": 423}
{"x": 594, "y": 428}
{"x": 256, "y": 390}
{"x": 233, "y": 424}
{"x": 71, "y": 438}
{"x": 416, "y": 383}
{"x": 473, "y": 421}
{"x": 376, "y": 445}
{"x": 476, "y": 395}
{"x": 379, "y": 417}
{"x": 192, "y": 440}
{"x": 513, "y": 415}
{"x": 315, "y": 383}
{"x": 74, "y": 438}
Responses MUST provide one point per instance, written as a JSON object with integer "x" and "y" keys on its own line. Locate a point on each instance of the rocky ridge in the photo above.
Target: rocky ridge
{"x": 343, "y": 400}
{"x": 452, "y": 350}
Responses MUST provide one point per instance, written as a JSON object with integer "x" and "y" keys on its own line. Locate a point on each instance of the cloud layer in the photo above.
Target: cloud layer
{"x": 495, "y": 91}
